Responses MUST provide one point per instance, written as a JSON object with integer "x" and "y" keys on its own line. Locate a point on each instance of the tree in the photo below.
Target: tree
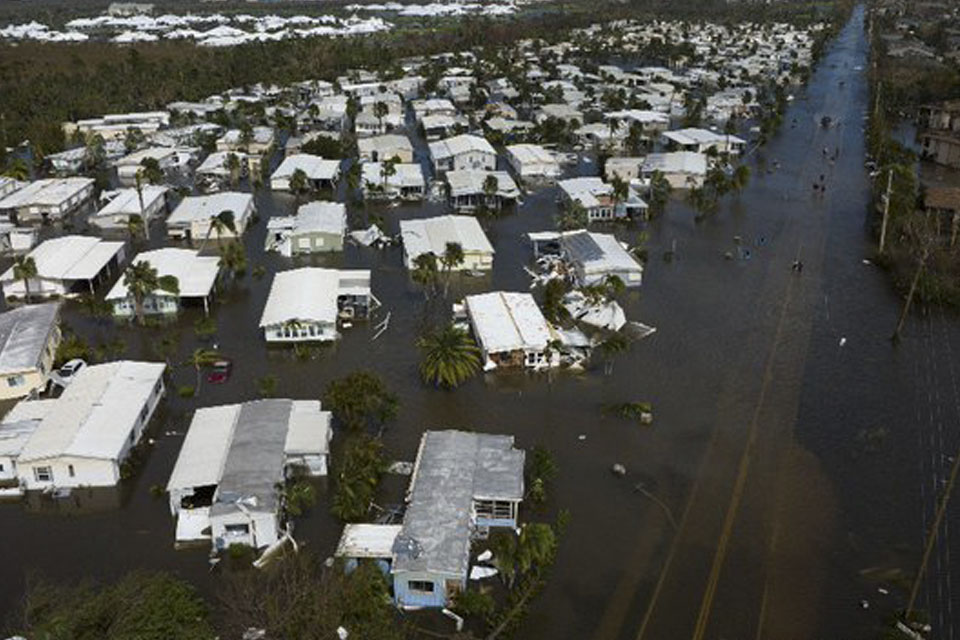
{"x": 425, "y": 272}
{"x": 539, "y": 470}
{"x": 388, "y": 168}
{"x": 298, "y": 184}
{"x": 660, "y": 189}
{"x": 621, "y": 190}
{"x": 232, "y": 164}
{"x": 141, "y": 280}
{"x": 18, "y": 170}
{"x": 451, "y": 259}
{"x": 133, "y": 139}
{"x": 220, "y": 223}
{"x": 380, "y": 110}
{"x": 573, "y": 216}
{"x": 491, "y": 185}
{"x": 233, "y": 258}
{"x": 199, "y": 359}
{"x": 740, "y": 177}
{"x": 450, "y": 357}
{"x": 357, "y": 477}
{"x": 360, "y": 399}
{"x": 151, "y": 171}
{"x": 25, "y": 268}
{"x": 553, "y": 294}
{"x": 145, "y": 224}
{"x": 146, "y": 606}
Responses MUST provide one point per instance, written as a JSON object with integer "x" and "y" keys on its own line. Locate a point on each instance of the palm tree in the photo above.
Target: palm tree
{"x": 18, "y": 170}
{"x": 621, "y": 190}
{"x": 298, "y": 184}
{"x": 660, "y": 189}
{"x": 223, "y": 221}
{"x": 233, "y": 166}
{"x": 450, "y": 357}
{"x": 141, "y": 174}
{"x": 451, "y": 259}
{"x": 740, "y": 177}
{"x": 135, "y": 225}
{"x": 490, "y": 187}
{"x": 151, "y": 170}
{"x": 233, "y": 258}
{"x": 388, "y": 168}
{"x": 199, "y": 359}
{"x": 380, "y": 110}
{"x": 25, "y": 268}
{"x": 425, "y": 272}
{"x": 574, "y": 216}
{"x": 141, "y": 280}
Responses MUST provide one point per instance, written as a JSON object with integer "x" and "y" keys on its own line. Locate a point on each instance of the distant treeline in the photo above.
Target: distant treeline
{"x": 43, "y": 85}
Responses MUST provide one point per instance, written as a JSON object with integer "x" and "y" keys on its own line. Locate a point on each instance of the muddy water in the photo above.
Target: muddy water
{"x": 760, "y": 449}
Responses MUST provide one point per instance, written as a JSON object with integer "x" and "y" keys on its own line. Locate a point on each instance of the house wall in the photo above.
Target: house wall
{"x": 8, "y": 468}
{"x": 262, "y": 529}
{"x": 945, "y": 152}
{"x": 443, "y": 585}
{"x": 475, "y": 160}
{"x": 152, "y": 305}
{"x": 21, "y": 384}
{"x": 315, "y": 243}
{"x": 87, "y": 472}
{"x": 307, "y": 332}
{"x": 39, "y": 288}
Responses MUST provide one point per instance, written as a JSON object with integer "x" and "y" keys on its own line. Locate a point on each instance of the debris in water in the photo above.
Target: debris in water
{"x": 582, "y": 437}
{"x": 400, "y": 468}
{"x": 883, "y": 591}
{"x": 843, "y": 341}
{"x": 342, "y": 633}
{"x": 485, "y": 556}
{"x": 479, "y": 573}
{"x": 619, "y": 470}
{"x": 864, "y": 604}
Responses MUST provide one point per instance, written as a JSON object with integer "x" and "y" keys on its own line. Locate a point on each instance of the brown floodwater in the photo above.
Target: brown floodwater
{"x": 788, "y": 462}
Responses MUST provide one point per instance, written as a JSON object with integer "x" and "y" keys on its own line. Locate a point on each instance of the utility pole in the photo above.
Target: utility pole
{"x": 886, "y": 211}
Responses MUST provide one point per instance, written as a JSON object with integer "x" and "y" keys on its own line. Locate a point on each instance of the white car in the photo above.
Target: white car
{"x": 70, "y": 369}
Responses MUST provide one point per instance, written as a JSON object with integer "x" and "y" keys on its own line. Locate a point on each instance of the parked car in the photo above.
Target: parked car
{"x": 70, "y": 369}
{"x": 220, "y": 372}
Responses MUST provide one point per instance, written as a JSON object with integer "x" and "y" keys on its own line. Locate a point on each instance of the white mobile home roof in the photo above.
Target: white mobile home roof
{"x": 321, "y": 217}
{"x": 700, "y": 136}
{"x": 23, "y": 335}
{"x": 127, "y": 202}
{"x": 408, "y": 174}
{"x": 308, "y": 294}
{"x": 52, "y": 191}
{"x": 205, "y": 447}
{"x": 676, "y": 162}
{"x": 195, "y": 274}
{"x": 471, "y": 182}
{"x": 92, "y": 418}
{"x": 71, "y": 258}
{"x": 431, "y": 235}
{"x": 196, "y": 208}
{"x": 457, "y": 145}
{"x": 315, "y": 167}
{"x": 367, "y": 540}
{"x": 507, "y": 321}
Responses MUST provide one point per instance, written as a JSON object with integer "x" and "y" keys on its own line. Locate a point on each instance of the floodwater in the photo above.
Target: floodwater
{"x": 783, "y": 462}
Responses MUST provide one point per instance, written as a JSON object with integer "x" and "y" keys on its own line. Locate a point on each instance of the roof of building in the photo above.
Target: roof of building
{"x": 598, "y": 252}
{"x": 195, "y": 208}
{"x": 49, "y": 192}
{"x": 384, "y": 143}
{"x": 315, "y": 167}
{"x": 453, "y": 468}
{"x": 508, "y": 321}
{"x": 472, "y": 181}
{"x": 94, "y": 416}
{"x": 306, "y": 430}
{"x": 531, "y": 153}
{"x": 71, "y": 258}
{"x": 24, "y": 332}
{"x": 676, "y": 162}
{"x": 20, "y": 423}
{"x": 431, "y": 235}
{"x": 310, "y": 294}
{"x": 698, "y": 136}
{"x": 406, "y": 174}
{"x": 367, "y": 540}
{"x": 126, "y": 202}
{"x": 464, "y": 143}
{"x": 195, "y": 274}
{"x": 947, "y": 198}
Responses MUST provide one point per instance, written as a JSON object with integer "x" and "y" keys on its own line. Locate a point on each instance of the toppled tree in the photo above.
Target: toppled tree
{"x": 360, "y": 400}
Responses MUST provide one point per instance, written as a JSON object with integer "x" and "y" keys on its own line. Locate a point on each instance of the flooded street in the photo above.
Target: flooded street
{"x": 794, "y": 446}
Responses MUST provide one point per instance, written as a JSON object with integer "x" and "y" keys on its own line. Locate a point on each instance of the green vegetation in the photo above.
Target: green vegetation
{"x": 360, "y": 400}
{"x": 450, "y": 357}
{"x": 299, "y": 496}
{"x": 145, "y": 606}
{"x": 357, "y": 476}
{"x": 539, "y": 471}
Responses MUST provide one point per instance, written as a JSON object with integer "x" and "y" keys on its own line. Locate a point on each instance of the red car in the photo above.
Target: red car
{"x": 220, "y": 372}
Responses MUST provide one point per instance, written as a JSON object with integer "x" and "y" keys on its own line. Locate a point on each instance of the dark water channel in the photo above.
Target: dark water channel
{"x": 845, "y": 445}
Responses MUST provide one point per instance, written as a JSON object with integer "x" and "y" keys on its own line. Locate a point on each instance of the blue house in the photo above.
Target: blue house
{"x": 462, "y": 484}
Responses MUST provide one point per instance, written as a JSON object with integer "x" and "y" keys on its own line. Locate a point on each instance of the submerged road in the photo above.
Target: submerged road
{"x": 744, "y": 560}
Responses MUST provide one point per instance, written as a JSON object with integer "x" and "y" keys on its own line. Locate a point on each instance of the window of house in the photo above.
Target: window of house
{"x": 143, "y": 413}
{"x": 494, "y": 509}
{"x": 237, "y": 529}
{"x": 15, "y": 381}
{"x": 43, "y": 474}
{"x": 71, "y": 471}
{"x": 1, "y": 468}
{"x": 422, "y": 586}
